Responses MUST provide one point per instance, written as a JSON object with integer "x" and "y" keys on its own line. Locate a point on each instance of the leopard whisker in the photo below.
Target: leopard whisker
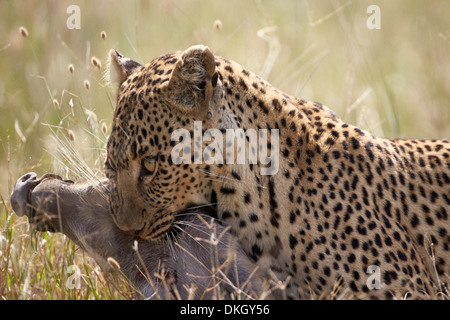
{"x": 194, "y": 226}
{"x": 190, "y": 236}
{"x": 196, "y": 207}
{"x": 209, "y": 173}
{"x": 170, "y": 239}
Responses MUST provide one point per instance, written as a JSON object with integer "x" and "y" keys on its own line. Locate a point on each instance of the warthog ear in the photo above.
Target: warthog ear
{"x": 123, "y": 66}
{"x": 190, "y": 85}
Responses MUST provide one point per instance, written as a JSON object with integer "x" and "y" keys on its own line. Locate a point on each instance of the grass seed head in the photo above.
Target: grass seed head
{"x": 218, "y": 24}
{"x": 103, "y": 35}
{"x": 71, "y": 68}
{"x": 113, "y": 263}
{"x": 96, "y": 62}
{"x": 104, "y": 128}
{"x": 24, "y": 32}
{"x": 87, "y": 84}
{"x": 71, "y": 135}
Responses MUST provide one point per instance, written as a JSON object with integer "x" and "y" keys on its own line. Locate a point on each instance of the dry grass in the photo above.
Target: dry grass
{"x": 393, "y": 82}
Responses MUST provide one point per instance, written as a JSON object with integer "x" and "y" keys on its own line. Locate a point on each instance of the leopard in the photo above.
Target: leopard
{"x": 342, "y": 208}
{"x": 177, "y": 267}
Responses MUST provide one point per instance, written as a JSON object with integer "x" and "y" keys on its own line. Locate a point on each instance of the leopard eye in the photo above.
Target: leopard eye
{"x": 149, "y": 166}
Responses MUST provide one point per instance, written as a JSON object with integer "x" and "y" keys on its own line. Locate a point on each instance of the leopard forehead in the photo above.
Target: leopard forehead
{"x": 138, "y": 106}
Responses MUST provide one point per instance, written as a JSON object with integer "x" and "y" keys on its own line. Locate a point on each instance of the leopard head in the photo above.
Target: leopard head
{"x": 155, "y": 102}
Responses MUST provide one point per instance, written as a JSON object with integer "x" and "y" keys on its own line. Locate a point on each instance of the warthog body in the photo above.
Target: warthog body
{"x": 199, "y": 253}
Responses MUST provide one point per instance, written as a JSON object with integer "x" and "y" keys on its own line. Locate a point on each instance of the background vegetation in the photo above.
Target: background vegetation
{"x": 393, "y": 82}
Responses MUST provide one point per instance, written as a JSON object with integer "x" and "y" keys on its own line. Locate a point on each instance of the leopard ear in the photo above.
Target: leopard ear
{"x": 190, "y": 85}
{"x": 123, "y": 66}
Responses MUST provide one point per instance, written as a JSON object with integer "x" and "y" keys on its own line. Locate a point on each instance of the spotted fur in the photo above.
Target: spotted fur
{"x": 342, "y": 199}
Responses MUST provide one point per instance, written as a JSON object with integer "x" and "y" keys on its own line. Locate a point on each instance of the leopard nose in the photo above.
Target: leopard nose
{"x": 127, "y": 219}
{"x": 20, "y": 196}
